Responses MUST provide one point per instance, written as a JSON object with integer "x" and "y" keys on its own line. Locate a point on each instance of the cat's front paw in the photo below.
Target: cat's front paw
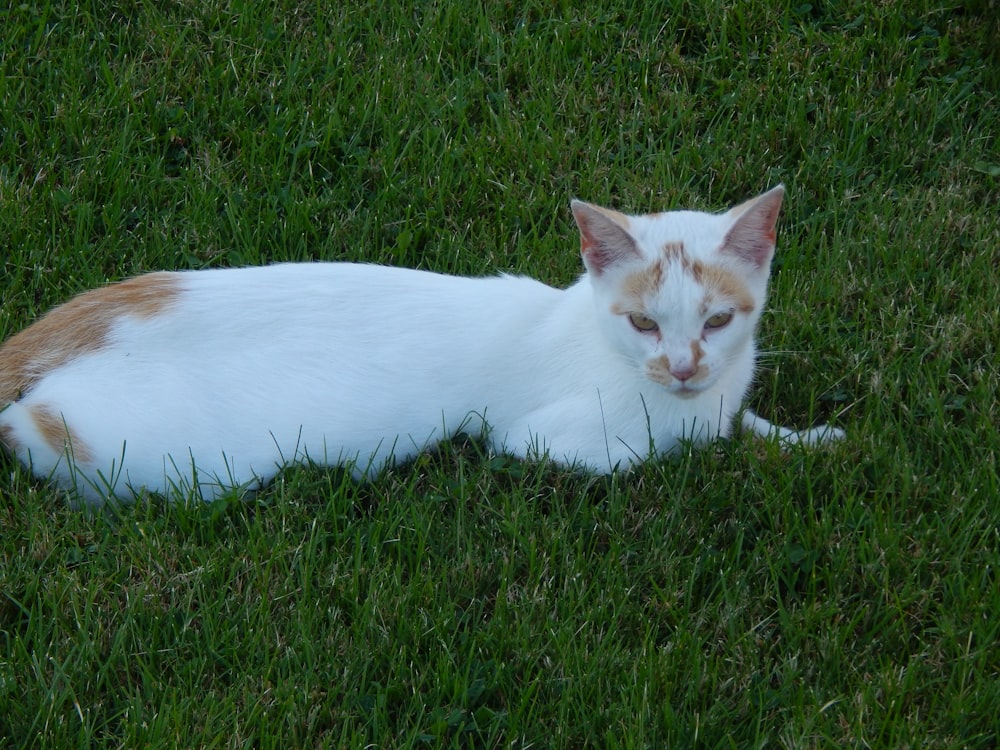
{"x": 820, "y": 435}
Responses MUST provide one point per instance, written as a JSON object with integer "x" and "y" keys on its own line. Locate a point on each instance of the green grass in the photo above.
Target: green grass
{"x": 736, "y": 597}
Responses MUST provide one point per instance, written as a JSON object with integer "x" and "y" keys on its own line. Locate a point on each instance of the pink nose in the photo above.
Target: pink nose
{"x": 683, "y": 374}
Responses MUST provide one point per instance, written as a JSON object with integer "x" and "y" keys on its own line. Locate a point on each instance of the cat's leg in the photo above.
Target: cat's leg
{"x": 43, "y": 442}
{"x": 813, "y": 436}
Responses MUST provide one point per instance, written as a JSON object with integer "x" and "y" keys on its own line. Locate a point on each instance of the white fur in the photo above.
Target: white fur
{"x": 250, "y": 369}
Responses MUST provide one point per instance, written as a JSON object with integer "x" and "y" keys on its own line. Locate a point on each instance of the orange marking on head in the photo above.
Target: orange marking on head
{"x": 721, "y": 282}
{"x": 640, "y": 285}
{"x": 658, "y": 370}
{"x": 674, "y": 251}
{"x": 57, "y": 433}
{"x": 79, "y": 327}
{"x": 697, "y": 270}
{"x": 696, "y": 354}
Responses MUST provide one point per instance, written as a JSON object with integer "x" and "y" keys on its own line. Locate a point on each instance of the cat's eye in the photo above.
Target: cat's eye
{"x": 719, "y": 320}
{"x": 642, "y": 323}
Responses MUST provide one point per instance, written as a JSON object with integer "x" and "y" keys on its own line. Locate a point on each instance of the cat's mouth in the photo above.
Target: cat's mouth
{"x": 685, "y": 391}
{"x": 680, "y": 388}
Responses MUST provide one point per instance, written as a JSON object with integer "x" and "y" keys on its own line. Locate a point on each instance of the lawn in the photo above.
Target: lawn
{"x": 736, "y": 597}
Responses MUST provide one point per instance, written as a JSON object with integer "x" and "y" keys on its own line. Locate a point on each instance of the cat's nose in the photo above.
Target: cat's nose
{"x": 683, "y": 374}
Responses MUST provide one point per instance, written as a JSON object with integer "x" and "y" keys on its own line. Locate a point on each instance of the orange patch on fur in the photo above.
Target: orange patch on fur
{"x": 78, "y": 327}
{"x": 675, "y": 251}
{"x": 724, "y": 283}
{"x": 57, "y": 433}
{"x": 7, "y": 436}
{"x": 658, "y": 370}
{"x": 697, "y": 353}
{"x": 639, "y": 285}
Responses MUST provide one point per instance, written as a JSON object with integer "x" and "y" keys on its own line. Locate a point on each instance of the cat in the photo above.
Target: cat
{"x": 213, "y": 380}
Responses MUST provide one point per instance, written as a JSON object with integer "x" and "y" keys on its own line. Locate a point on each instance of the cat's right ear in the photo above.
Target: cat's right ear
{"x": 752, "y": 234}
{"x": 604, "y": 239}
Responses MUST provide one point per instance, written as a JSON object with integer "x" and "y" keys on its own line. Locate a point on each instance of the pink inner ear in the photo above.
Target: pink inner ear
{"x": 752, "y": 237}
{"x": 603, "y": 242}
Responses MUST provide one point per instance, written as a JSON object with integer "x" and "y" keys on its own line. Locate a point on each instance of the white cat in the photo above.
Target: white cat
{"x": 216, "y": 379}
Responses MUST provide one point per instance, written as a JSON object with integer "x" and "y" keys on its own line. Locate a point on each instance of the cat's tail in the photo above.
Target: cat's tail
{"x": 824, "y": 433}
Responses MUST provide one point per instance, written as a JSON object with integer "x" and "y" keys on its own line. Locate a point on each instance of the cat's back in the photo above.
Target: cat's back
{"x": 343, "y": 307}
{"x": 330, "y": 291}
{"x": 273, "y": 315}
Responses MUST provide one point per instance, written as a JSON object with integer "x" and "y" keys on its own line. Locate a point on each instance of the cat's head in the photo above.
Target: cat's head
{"x": 681, "y": 292}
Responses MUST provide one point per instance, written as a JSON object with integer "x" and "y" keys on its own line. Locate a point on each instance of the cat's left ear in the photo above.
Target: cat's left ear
{"x": 604, "y": 239}
{"x": 753, "y": 233}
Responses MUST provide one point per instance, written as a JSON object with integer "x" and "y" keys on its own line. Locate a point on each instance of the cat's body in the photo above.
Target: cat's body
{"x": 218, "y": 378}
